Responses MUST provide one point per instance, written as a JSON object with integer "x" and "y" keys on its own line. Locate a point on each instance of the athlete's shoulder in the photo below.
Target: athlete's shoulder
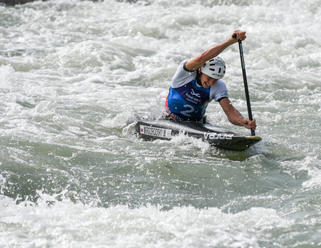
{"x": 218, "y": 90}
{"x": 182, "y": 66}
{"x": 182, "y": 76}
{"x": 220, "y": 83}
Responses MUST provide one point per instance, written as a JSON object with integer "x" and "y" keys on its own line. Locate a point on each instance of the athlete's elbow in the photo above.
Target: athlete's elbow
{"x": 204, "y": 58}
{"x": 201, "y": 59}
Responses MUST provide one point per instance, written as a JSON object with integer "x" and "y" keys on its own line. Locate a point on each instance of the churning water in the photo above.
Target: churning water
{"x": 75, "y": 74}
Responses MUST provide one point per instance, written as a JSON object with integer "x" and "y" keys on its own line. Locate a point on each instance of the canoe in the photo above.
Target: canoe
{"x": 216, "y": 136}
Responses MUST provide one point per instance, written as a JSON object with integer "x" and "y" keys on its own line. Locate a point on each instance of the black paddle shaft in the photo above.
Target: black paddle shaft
{"x": 247, "y": 95}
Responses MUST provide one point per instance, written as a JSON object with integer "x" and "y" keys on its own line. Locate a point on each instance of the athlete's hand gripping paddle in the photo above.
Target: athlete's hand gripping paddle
{"x": 247, "y": 95}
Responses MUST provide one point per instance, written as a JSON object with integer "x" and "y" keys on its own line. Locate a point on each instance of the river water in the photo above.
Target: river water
{"x": 75, "y": 74}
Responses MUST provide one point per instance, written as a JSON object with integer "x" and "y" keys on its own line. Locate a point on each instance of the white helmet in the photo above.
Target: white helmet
{"x": 214, "y": 68}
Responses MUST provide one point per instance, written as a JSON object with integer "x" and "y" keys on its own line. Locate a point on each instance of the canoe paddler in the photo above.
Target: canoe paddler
{"x": 198, "y": 81}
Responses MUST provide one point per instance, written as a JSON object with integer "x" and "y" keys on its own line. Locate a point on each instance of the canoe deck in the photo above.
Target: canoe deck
{"x": 214, "y": 135}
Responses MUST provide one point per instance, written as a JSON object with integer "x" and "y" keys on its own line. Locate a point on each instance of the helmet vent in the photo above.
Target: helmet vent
{"x": 214, "y": 68}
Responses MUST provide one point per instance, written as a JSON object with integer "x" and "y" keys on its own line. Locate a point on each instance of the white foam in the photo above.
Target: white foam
{"x": 73, "y": 74}
{"x": 186, "y": 143}
{"x": 5, "y": 75}
{"x": 65, "y": 224}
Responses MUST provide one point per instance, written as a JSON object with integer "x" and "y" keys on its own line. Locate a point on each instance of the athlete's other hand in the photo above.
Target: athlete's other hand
{"x": 239, "y": 35}
{"x": 250, "y": 124}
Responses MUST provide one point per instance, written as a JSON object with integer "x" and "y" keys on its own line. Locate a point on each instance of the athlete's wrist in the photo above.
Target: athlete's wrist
{"x": 245, "y": 122}
{"x": 230, "y": 41}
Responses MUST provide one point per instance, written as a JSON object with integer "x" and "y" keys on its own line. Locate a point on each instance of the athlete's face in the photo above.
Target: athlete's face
{"x": 207, "y": 81}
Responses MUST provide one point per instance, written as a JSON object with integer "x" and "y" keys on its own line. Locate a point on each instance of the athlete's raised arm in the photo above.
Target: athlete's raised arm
{"x": 195, "y": 63}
